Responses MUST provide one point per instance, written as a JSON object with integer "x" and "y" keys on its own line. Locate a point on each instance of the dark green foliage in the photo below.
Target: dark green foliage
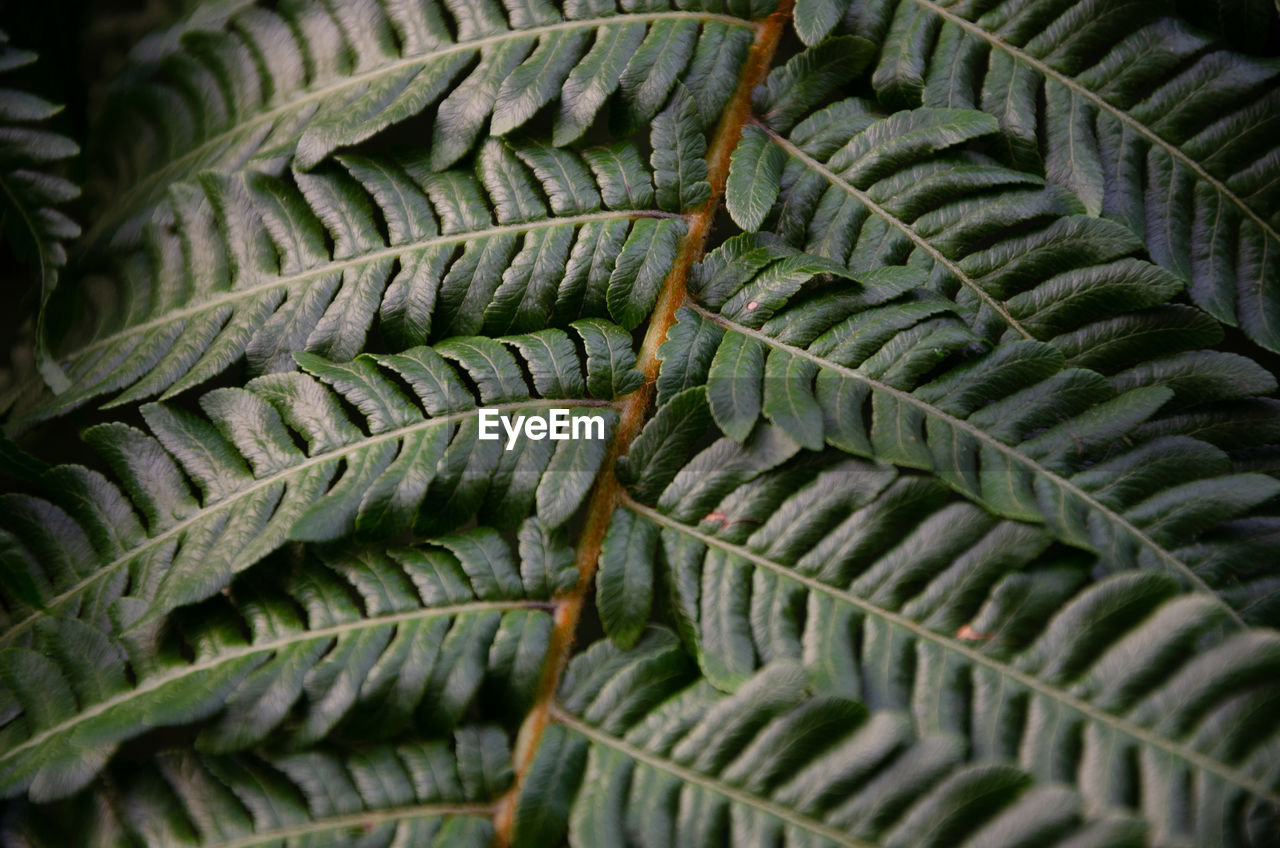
{"x": 1145, "y": 120}
{"x": 375, "y": 643}
{"x": 247, "y": 270}
{"x": 888, "y": 370}
{"x": 670, "y": 761}
{"x": 432, "y": 793}
{"x": 935, "y": 498}
{"x": 33, "y": 225}
{"x": 157, "y": 540}
{"x": 899, "y": 596}
{"x": 311, "y": 79}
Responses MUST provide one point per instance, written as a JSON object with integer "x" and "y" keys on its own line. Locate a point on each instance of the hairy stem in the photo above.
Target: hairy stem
{"x": 606, "y": 495}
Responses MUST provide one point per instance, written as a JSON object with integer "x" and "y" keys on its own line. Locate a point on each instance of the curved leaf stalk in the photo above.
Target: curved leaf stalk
{"x": 608, "y": 492}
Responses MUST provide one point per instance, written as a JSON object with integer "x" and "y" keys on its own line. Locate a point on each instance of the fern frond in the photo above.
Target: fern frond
{"x": 888, "y": 370}
{"x": 917, "y": 507}
{"x": 30, "y": 196}
{"x": 895, "y": 595}
{"x": 433, "y": 794}
{"x": 248, "y": 270}
{"x": 1017, "y": 255}
{"x": 1148, "y": 122}
{"x": 158, "y": 542}
{"x": 366, "y": 646}
{"x": 311, "y": 78}
{"x": 642, "y": 754}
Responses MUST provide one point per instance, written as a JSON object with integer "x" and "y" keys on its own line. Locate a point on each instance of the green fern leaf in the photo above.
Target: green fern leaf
{"x": 33, "y": 226}
{"x": 1015, "y": 254}
{"x": 249, "y": 273}
{"x": 1016, "y": 429}
{"x": 918, "y": 504}
{"x": 339, "y": 645}
{"x": 894, "y": 594}
{"x": 259, "y": 489}
{"x": 313, "y": 78}
{"x": 657, "y": 758}
{"x": 1149, "y": 122}
{"x": 430, "y": 793}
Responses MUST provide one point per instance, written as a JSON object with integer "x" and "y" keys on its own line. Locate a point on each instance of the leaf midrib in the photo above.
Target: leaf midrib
{"x": 332, "y": 631}
{"x": 1006, "y": 671}
{"x": 633, "y": 411}
{"x": 1179, "y": 568}
{"x": 338, "y": 266}
{"x": 142, "y": 191}
{"x": 1119, "y": 114}
{"x": 690, "y": 776}
{"x": 270, "y": 480}
{"x": 902, "y": 226}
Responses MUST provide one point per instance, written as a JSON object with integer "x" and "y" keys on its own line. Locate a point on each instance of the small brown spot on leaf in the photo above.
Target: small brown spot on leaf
{"x": 970, "y": 635}
{"x": 753, "y": 306}
{"x": 725, "y": 521}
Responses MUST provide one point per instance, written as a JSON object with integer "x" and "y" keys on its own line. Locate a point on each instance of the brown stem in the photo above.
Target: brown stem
{"x": 606, "y": 494}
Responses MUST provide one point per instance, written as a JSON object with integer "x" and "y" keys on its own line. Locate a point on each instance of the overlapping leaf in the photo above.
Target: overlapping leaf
{"x": 644, "y": 754}
{"x": 156, "y": 540}
{"x": 260, "y": 268}
{"x": 1147, "y": 121}
{"x": 886, "y": 369}
{"x": 1017, "y": 256}
{"x": 35, "y": 229}
{"x": 305, "y": 79}
{"x": 429, "y": 793}
{"x": 369, "y": 647}
{"x": 976, "y": 563}
{"x": 897, "y": 595}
